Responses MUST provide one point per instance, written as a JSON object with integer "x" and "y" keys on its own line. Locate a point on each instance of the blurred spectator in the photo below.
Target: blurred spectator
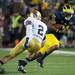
{"x": 2, "y": 19}
{"x": 60, "y": 3}
{"x": 1, "y": 35}
{"x": 15, "y": 27}
{"x": 21, "y": 8}
{"x": 58, "y": 6}
{"x": 6, "y": 5}
{"x": 17, "y": 5}
{"x": 73, "y": 30}
{"x": 32, "y": 2}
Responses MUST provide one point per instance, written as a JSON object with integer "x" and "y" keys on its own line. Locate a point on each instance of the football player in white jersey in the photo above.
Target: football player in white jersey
{"x": 50, "y": 44}
{"x": 35, "y": 30}
{"x": 35, "y": 33}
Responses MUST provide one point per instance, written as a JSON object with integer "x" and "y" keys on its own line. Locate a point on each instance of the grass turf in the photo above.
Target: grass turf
{"x": 54, "y": 65}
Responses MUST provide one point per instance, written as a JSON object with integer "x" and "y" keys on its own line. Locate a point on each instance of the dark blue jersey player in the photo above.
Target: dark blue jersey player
{"x": 66, "y": 18}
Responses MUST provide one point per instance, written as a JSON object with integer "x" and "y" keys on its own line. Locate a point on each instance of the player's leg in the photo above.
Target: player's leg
{"x": 34, "y": 46}
{"x": 13, "y": 53}
{"x": 50, "y": 45}
{"x": 40, "y": 60}
{"x": 1, "y": 69}
{"x": 23, "y": 63}
{"x": 39, "y": 53}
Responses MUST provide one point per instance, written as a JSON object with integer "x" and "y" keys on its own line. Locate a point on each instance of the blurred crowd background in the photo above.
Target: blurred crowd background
{"x": 13, "y": 13}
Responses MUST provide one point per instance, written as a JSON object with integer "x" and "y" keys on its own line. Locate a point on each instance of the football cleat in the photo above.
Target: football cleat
{"x": 2, "y": 71}
{"x": 41, "y": 62}
{"x": 21, "y": 69}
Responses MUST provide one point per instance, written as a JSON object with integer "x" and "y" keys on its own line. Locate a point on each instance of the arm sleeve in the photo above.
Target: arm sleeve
{"x": 29, "y": 33}
{"x": 29, "y": 29}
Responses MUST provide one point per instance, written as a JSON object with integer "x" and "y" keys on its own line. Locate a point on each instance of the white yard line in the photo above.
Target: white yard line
{"x": 6, "y": 49}
{"x": 61, "y": 52}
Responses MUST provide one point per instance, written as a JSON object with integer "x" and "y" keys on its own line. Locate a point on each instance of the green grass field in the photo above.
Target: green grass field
{"x": 54, "y": 65}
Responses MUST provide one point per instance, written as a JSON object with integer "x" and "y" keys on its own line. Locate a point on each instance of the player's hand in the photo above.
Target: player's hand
{"x": 64, "y": 29}
{"x": 60, "y": 28}
{"x": 57, "y": 27}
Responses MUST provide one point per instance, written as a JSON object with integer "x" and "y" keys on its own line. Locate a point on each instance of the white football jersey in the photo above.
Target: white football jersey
{"x": 38, "y": 29}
